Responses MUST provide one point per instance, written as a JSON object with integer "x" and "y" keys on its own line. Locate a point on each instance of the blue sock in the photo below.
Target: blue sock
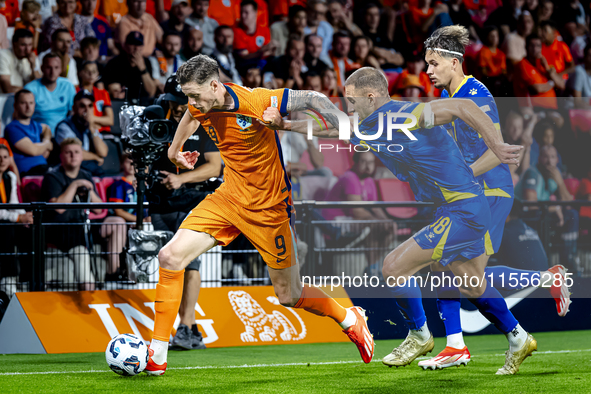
{"x": 492, "y": 305}
{"x": 448, "y": 303}
{"x": 507, "y": 278}
{"x": 410, "y": 303}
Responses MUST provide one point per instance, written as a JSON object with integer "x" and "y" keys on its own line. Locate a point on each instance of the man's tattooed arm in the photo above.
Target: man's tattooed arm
{"x": 301, "y": 100}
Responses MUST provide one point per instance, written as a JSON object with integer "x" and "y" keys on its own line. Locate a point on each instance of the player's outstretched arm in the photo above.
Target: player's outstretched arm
{"x": 272, "y": 119}
{"x": 444, "y": 111}
{"x": 186, "y": 128}
{"x": 301, "y": 100}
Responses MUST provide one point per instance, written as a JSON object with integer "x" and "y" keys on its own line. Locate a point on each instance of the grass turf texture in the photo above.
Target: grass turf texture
{"x": 223, "y": 371}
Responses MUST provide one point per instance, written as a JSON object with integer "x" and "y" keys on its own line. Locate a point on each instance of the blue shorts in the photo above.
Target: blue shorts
{"x": 460, "y": 229}
{"x": 499, "y": 210}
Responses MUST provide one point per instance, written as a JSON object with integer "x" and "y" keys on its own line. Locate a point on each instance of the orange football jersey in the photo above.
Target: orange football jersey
{"x": 254, "y": 175}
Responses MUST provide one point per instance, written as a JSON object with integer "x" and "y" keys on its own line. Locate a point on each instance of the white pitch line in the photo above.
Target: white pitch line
{"x": 266, "y": 365}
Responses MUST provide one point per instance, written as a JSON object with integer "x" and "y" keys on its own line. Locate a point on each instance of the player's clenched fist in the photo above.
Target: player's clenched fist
{"x": 184, "y": 160}
{"x": 272, "y": 119}
{"x": 508, "y": 154}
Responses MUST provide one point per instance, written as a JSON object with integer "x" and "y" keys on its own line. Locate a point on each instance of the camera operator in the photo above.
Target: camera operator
{"x": 178, "y": 192}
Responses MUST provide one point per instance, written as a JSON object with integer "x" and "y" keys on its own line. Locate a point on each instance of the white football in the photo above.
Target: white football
{"x": 127, "y": 354}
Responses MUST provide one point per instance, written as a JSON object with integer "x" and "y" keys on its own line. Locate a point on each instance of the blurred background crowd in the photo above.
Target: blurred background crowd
{"x": 65, "y": 67}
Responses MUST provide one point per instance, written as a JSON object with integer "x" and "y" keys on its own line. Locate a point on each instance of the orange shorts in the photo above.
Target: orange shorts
{"x": 269, "y": 230}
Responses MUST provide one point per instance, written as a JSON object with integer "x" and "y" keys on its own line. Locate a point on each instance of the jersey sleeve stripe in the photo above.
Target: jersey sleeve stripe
{"x": 278, "y": 143}
{"x": 283, "y": 109}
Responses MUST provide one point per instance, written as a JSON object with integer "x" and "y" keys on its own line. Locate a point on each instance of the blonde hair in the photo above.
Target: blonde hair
{"x": 70, "y": 141}
{"x": 31, "y": 6}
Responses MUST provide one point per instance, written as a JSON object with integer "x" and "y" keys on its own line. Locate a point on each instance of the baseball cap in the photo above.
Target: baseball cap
{"x": 84, "y": 94}
{"x": 412, "y": 81}
{"x": 134, "y": 38}
{"x": 173, "y": 92}
{"x": 177, "y": 2}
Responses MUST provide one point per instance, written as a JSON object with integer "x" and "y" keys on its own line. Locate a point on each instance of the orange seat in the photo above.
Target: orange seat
{"x": 391, "y": 189}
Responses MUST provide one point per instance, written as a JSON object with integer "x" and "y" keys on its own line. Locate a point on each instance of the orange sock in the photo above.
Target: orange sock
{"x": 316, "y": 301}
{"x": 169, "y": 292}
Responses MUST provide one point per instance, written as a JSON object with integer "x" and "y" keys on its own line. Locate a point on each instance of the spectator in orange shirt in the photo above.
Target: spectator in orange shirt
{"x": 224, "y": 12}
{"x": 492, "y": 63}
{"x": 138, "y": 20}
{"x": 425, "y": 19}
{"x": 10, "y": 9}
{"x": 556, "y": 52}
{"x": 113, "y": 10}
{"x": 279, "y": 9}
{"x": 490, "y": 59}
{"x": 30, "y": 20}
{"x": 158, "y": 9}
{"x": 415, "y": 65}
{"x": 103, "y": 113}
{"x": 342, "y": 65}
{"x": 252, "y": 42}
{"x": 534, "y": 80}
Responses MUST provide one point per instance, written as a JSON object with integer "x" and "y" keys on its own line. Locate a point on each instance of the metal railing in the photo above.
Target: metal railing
{"x": 358, "y": 247}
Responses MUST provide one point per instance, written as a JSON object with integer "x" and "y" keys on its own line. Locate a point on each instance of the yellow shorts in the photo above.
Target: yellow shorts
{"x": 269, "y": 230}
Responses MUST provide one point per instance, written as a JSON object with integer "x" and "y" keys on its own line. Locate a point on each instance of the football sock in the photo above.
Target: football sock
{"x": 169, "y": 292}
{"x": 516, "y": 337}
{"x": 456, "y": 341}
{"x": 448, "y": 304}
{"x": 422, "y": 333}
{"x": 350, "y": 319}
{"x": 507, "y": 278}
{"x": 316, "y": 301}
{"x": 160, "y": 349}
{"x": 492, "y": 305}
{"x": 195, "y": 330}
{"x": 410, "y": 303}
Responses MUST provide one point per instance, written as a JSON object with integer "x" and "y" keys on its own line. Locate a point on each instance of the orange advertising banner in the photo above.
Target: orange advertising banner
{"x": 227, "y": 316}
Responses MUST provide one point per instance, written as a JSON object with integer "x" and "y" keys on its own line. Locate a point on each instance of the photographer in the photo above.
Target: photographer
{"x": 173, "y": 198}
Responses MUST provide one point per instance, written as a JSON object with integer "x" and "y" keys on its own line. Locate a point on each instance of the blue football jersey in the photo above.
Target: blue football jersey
{"x": 498, "y": 181}
{"x": 433, "y": 165}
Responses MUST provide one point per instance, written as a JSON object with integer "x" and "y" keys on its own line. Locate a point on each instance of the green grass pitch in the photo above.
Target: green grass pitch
{"x": 561, "y": 365}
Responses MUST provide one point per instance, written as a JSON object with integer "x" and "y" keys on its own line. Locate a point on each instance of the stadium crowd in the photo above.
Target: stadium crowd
{"x": 66, "y": 65}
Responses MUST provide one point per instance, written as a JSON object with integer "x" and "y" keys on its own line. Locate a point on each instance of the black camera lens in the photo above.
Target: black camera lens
{"x": 159, "y": 131}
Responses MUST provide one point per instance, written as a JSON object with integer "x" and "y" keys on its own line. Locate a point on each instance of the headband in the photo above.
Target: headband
{"x": 445, "y": 50}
